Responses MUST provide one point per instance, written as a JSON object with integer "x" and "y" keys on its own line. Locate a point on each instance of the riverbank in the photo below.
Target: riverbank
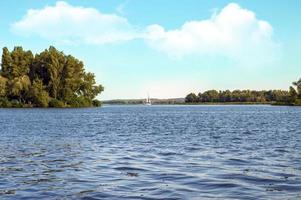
{"x": 52, "y": 104}
{"x": 285, "y": 104}
{"x": 202, "y": 103}
{"x": 184, "y": 103}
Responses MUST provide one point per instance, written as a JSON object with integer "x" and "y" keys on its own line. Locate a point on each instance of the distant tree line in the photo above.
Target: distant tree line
{"x": 47, "y": 79}
{"x": 293, "y": 96}
{"x": 142, "y": 101}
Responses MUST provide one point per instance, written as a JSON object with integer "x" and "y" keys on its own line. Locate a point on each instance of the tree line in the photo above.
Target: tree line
{"x": 292, "y": 96}
{"x": 46, "y": 79}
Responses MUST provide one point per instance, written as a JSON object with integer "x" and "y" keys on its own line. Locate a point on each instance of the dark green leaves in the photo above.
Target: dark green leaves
{"x": 49, "y": 78}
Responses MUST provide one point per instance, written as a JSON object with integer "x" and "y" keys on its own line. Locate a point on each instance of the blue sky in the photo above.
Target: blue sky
{"x": 165, "y": 48}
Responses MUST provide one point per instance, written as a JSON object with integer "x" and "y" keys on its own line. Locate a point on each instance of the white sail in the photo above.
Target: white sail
{"x": 148, "y": 101}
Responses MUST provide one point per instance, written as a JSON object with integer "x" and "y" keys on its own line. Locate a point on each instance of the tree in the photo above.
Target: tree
{"x": 6, "y": 64}
{"x": 50, "y": 76}
{"x": 298, "y": 85}
{"x": 37, "y": 94}
{"x": 3, "y": 86}
{"x": 210, "y": 96}
{"x": 225, "y": 96}
{"x": 18, "y": 87}
{"x": 293, "y": 94}
{"x": 72, "y": 79}
{"x": 191, "y": 98}
{"x": 21, "y": 61}
{"x": 240, "y": 96}
{"x": 48, "y": 67}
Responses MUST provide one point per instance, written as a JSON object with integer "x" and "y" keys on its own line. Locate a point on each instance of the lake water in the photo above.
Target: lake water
{"x": 151, "y": 152}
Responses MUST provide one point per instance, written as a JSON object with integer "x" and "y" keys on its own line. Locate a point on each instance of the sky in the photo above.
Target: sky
{"x": 165, "y": 48}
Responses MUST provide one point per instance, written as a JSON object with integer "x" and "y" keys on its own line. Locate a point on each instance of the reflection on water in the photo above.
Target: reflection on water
{"x": 154, "y": 152}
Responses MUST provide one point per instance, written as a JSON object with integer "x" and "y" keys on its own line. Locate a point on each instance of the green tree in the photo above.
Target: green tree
{"x": 191, "y": 98}
{"x": 18, "y": 88}
{"x": 21, "y": 61}
{"x": 3, "y": 86}
{"x": 6, "y": 64}
{"x": 71, "y": 79}
{"x": 88, "y": 88}
{"x": 48, "y": 76}
{"x": 210, "y": 96}
{"x": 48, "y": 67}
{"x": 293, "y": 94}
{"x": 298, "y": 85}
{"x": 37, "y": 94}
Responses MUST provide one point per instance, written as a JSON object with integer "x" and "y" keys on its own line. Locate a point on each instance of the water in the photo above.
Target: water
{"x": 151, "y": 152}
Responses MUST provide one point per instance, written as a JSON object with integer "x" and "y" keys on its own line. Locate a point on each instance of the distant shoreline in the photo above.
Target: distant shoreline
{"x": 126, "y": 103}
{"x": 203, "y": 103}
{"x": 181, "y": 101}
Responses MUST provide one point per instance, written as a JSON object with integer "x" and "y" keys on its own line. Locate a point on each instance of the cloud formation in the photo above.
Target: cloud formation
{"x": 233, "y": 32}
{"x": 70, "y": 24}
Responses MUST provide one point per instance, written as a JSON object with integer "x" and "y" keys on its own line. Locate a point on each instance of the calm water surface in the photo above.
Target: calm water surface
{"x": 156, "y": 152}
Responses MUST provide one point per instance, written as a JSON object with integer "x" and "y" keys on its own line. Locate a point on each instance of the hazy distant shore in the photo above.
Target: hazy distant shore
{"x": 181, "y": 101}
{"x": 176, "y": 101}
{"x": 142, "y": 101}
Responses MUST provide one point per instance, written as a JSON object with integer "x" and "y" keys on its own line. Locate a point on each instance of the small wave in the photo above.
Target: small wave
{"x": 129, "y": 169}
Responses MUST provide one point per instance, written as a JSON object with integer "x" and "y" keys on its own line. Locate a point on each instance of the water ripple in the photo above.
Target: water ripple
{"x": 157, "y": 152}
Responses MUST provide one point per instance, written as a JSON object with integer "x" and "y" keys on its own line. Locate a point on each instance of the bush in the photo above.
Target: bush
{"x": 54, "y": 103}
{"x": 77, "y": 102}
{"x": 74, "y": 102}
{"x": 96, "y": 103}
{"x": 298, "y": 102}
{"x": 16, "y": 104}
{"x": 5, "y": 103}
{"x": 42, "y": 99}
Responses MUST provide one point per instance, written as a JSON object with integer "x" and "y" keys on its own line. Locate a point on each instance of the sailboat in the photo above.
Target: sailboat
{"x": 148, "y": 101}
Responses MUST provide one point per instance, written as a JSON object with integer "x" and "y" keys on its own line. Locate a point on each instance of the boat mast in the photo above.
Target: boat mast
{"x": 148, "y": 101}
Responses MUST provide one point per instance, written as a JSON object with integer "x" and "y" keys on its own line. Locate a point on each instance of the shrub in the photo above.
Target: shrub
{"x": 81, "y": 101}
{"x": 54, "y": 103}
{"x": 5, "y": 103}
{"x": 298, "y": 102}
{"x": 96, "y": 103}
{"x": 16, "y": 104}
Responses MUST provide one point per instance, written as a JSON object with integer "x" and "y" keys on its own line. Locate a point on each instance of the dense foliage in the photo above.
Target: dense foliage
{"x": 238, "y": 96}
{"x": 291, "y": 97}
{"x": 47, "y": 79}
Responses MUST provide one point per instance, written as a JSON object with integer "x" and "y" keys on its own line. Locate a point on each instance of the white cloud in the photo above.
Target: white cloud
{"x": 233, "y": 32}
{"x": 70, "y": 24}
